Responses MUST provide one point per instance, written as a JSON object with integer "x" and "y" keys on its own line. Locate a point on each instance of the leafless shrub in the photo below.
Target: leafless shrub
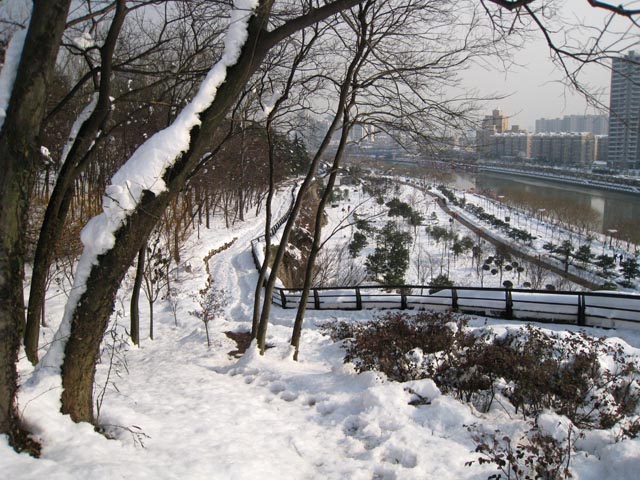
{"x": 589, "y": 380}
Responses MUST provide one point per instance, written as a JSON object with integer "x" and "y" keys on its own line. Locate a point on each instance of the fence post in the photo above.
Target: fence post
{"x": 316, "y": 299}
{"x": 508, "y": 311}
{"x": 358, "y": 299}
{"x": 403, "y": 299}
{"x": 454, "y": 299}
{"x": 283, "y": 298}
{"x": 582, "y": 314}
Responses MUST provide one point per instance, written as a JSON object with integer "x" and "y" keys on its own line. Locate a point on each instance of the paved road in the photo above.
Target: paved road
{"x": 513, "y": 251}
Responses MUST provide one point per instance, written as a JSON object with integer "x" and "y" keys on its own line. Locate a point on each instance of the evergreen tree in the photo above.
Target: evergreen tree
{"x": 584, "y": 254}
{"x": 391, "y": 256}
{"x": 605, "y": 263}
{"x": 630, "y": 270}
{"x": 358, "y": 243}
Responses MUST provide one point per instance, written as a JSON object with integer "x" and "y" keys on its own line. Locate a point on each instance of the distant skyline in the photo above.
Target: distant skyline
{"x": 535, "y": 86}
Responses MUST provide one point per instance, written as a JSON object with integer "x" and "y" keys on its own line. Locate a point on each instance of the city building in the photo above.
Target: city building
{"x": 596, "y": 124}
{"x": 492, "y": 124}
{"x": 602, "y": 148}
{"x": 514, "y": 144}
{"x": 624, "y": 119}
{"x": 564, "y": 149}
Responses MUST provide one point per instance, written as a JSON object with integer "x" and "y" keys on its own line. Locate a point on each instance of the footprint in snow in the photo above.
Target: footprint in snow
{"x": 277, "y": 387}
{"x": 382, "y": 473}
{"x": 399, "y": 456}
{"x": 288, "y": 396}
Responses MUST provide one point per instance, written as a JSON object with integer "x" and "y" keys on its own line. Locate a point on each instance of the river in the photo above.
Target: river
{"x": 599, "y": 210}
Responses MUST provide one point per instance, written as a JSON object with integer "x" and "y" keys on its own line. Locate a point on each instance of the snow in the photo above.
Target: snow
{"x": 10, "y": 70}
{"x": 86, "y": 112}
{"x": 84, "y": 41}
{"x": 182, "y": 410}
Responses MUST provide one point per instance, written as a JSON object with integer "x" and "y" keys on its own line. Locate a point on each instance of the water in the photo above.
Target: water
{"x": 597, "y": 210}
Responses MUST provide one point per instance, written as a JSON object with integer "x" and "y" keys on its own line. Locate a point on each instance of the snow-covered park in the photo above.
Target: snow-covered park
{"x": 194, "y": 399}
{"x": 175, "y": 408}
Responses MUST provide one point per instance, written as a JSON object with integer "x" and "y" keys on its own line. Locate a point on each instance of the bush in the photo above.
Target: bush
{"x": 535, "y": 455}
{"x": 441, "y": 280}
{"x": 534, "y": 369}
{"x": 395, "y": 343}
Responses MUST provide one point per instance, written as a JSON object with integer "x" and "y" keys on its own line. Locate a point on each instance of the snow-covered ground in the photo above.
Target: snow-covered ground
{"x": 547, "y": 231}
{"x": 174, "y": 408}
{"x": 430, "y": 258}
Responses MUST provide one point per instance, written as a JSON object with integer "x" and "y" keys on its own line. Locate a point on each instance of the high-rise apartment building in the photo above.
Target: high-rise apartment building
{"x": 514, "y": 144}
{"x": 497, "y": 122}
{"x": 596, "y": 124}
{"x": 624, "y": 117}
{"x": 566, "y": 149}
{"x": 602, "y": 148}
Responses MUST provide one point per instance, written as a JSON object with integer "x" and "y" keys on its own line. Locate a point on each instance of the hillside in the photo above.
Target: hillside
{"x": 174, "y": 408}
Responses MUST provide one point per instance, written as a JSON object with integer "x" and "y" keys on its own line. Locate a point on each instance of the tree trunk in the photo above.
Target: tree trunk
{"x": 267, "y": 238}
{"x": 150, "y": 300}
{"x": 58, "y": 206}
{"x": 91, "y": 316}
{"x": 284, "y": 239}
{"x": 135, "y": 297}
{"x": 19, "y": 157}
{"x": 315, "y": 247}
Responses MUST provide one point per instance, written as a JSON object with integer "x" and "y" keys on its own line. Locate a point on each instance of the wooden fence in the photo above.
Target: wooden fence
{"x": 597, "y": 309}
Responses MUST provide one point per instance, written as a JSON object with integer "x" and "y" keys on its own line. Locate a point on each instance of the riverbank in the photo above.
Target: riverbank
{"x": 585, "y": 180}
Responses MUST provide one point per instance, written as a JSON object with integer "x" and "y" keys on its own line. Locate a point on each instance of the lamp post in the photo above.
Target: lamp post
{"x": 540, "y": 212}
{"x": 500, "y": 209}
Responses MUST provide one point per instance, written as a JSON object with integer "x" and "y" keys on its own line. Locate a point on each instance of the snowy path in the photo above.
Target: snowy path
{"x": 202, "y": 414}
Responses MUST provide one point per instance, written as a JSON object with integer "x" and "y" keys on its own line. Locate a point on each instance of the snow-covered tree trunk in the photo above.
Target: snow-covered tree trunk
{"x": 75, "y": 159}
{"x": 19, "y": 157}
{"x": 140, "y": 192}
{"x": 143, "y": 188}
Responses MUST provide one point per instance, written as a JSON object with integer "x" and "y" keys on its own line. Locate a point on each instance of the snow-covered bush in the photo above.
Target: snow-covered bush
{"x": 536, "y": 454}
{"x": 589, "y": 380}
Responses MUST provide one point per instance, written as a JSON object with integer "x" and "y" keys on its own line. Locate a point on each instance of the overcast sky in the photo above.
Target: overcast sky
{"x": 536, "y": 89}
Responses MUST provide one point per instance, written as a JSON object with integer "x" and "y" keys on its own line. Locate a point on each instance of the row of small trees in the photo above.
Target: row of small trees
{"x": 629, "y": 267}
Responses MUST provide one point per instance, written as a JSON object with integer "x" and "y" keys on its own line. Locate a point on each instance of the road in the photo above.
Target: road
{"x": 514, "y": 251}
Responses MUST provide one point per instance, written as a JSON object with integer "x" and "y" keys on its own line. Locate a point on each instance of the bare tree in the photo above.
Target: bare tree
{"x": 20, "y": 157}
{"x": 89, "y": 131}
{"x": 87, "y": 325}
{"x": 387, "y": 84}
{"x": 211, "y": 301}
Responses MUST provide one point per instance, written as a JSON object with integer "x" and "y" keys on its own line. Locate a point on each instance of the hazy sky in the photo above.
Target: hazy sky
{"x": 535, "y": 86}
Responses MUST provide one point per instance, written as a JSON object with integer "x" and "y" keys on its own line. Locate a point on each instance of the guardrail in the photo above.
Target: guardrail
{"x": 595, "y": 309}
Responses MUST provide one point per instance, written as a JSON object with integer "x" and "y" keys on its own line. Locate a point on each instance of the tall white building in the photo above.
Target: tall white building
{"x": 624, "y": 117}
{"x": 596, "y": 124}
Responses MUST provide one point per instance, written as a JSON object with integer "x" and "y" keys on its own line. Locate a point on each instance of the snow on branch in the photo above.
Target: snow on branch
{"x": 144, "y": 171}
